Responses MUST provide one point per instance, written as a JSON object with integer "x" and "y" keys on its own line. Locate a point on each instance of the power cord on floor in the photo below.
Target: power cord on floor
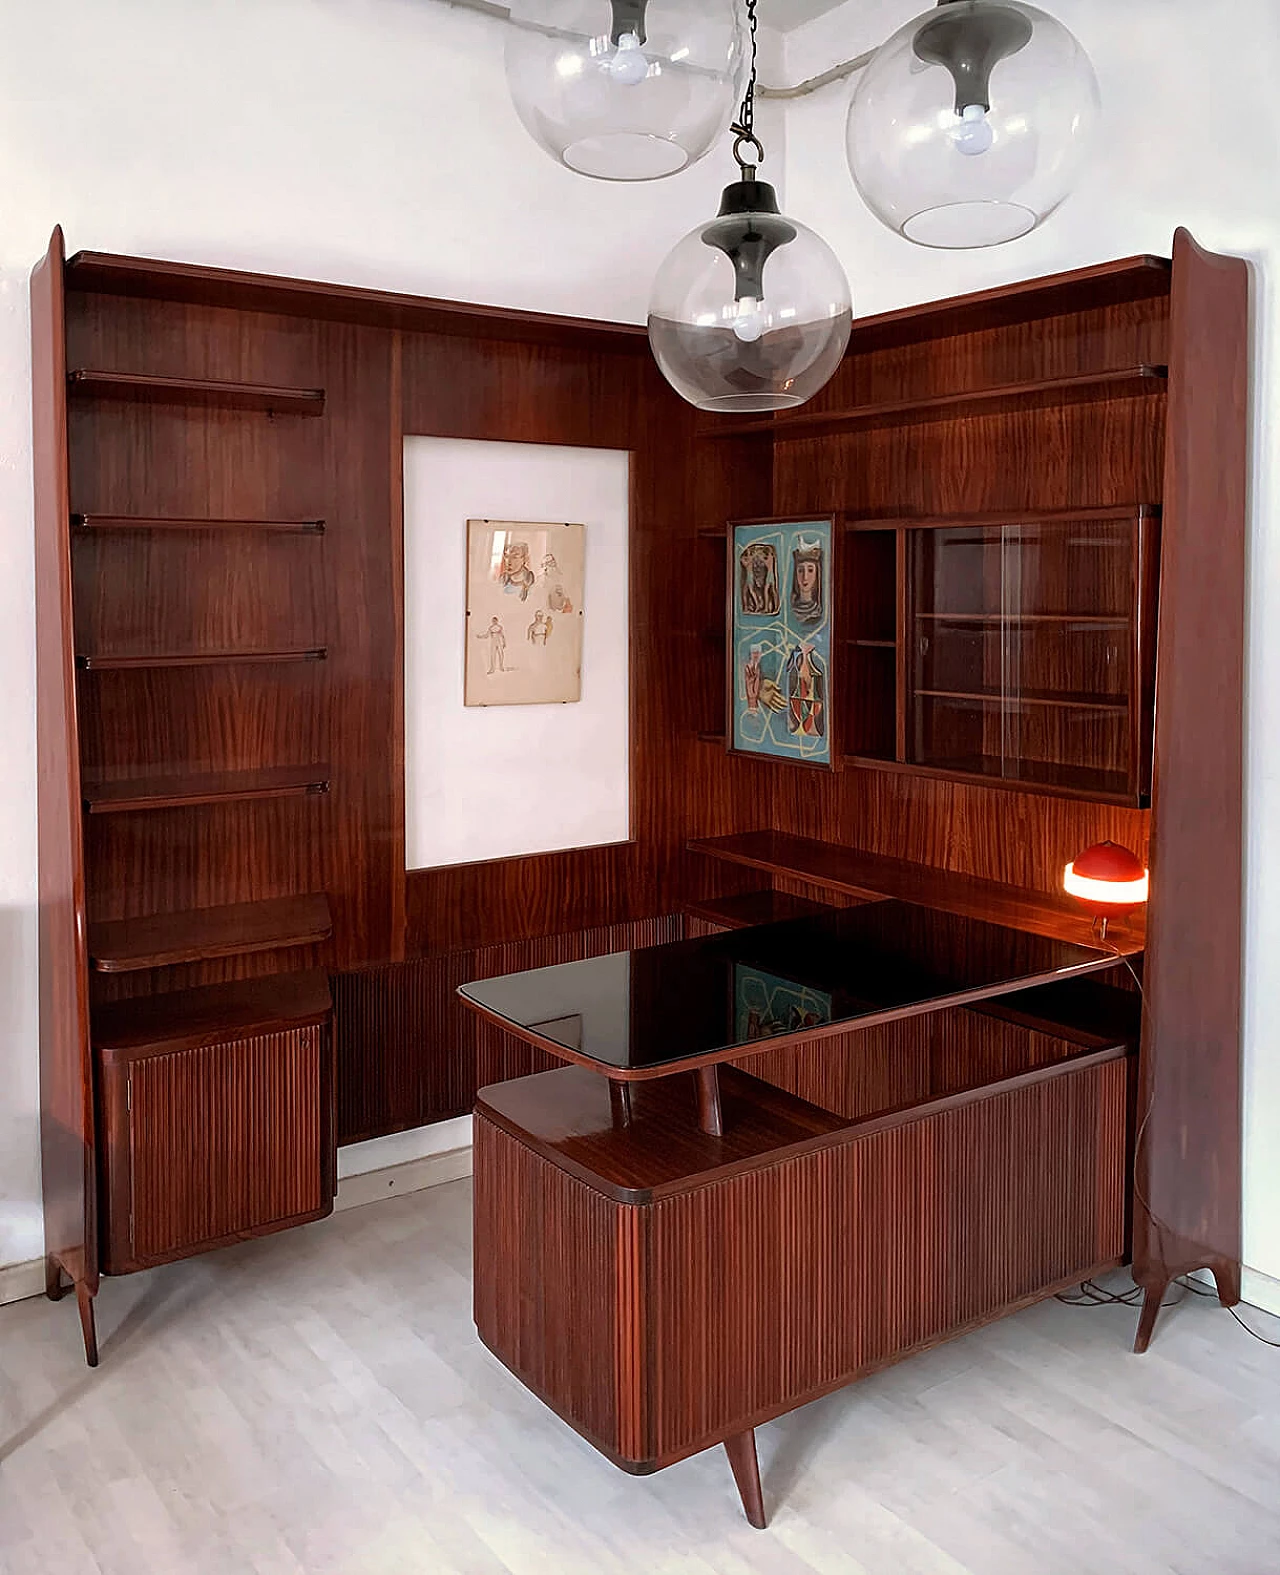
{"x": 1093, "y": 1295}
{"x": 1199, "y": 1290}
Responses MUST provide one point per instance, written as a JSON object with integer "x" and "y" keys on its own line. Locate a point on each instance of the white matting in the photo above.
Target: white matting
{"x": 497, "y": 782}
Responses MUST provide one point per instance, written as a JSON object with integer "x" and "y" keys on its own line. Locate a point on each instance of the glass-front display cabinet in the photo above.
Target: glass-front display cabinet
{"x": 1023, "y": 650}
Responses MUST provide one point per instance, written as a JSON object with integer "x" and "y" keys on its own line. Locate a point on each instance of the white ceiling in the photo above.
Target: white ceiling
{"x": 786, "y": 14}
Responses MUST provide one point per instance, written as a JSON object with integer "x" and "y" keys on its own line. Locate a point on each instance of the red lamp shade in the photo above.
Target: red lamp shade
{"x": 1108, "y": 880}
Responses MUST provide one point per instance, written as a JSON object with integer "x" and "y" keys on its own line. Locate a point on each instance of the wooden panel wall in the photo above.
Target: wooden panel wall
{"x": 162, "y": 592}
{"x": 1081, "y": 455}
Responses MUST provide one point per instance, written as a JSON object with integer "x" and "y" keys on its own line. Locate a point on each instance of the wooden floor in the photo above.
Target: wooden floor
{"x": 319, "y": 1403}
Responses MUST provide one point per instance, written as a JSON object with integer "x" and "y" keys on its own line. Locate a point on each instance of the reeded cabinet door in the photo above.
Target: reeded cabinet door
{"x": 219, "y": 1142}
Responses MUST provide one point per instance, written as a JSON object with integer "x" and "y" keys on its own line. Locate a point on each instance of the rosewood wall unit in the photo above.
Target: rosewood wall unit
{"x": 219, "y": 524}
{"x": 1017, "y": 472}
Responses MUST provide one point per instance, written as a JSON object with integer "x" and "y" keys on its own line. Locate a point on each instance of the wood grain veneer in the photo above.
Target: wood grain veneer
{"x": 261, "y": 1112}
{"x": 1009, "y": 399}
{"x": 161, "y": 940}
{"x": 871, "y": 876}
{"x": 210, "y": 787}
{"x": 196, "y": 391}
{"x": 67, "y": 1131}
{"x": 189, "y": 1019}
{"x": 1189, "y": 1163}
{"x": 660, "y": 1330}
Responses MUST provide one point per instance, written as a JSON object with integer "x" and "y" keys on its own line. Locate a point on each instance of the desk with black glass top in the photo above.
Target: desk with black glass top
{"x": 938, "y": 1136}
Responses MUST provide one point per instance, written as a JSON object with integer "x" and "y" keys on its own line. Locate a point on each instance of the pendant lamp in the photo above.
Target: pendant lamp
{"x": 626, "y": 90}
{"x": 970, "y": 125}
{"x": 751, "y": 312}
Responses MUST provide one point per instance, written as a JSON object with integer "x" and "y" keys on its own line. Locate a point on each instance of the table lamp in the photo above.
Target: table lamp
{"x": 1109, "y": 881}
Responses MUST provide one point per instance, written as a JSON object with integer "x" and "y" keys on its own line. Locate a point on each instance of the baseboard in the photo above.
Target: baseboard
{"x": 415, "y": 1175}
{"x": 20, "y": 1280}
{"x": 1261, "y": 1291}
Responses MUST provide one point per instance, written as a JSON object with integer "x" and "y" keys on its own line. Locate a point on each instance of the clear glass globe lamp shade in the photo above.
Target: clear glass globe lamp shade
{"x": 627, "y": 90}
{"x": 751, "y": 312}
{"x": 970, "y": 126}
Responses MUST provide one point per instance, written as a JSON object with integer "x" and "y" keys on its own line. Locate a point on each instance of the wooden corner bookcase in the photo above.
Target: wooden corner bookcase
{"x": 219, "y": 538}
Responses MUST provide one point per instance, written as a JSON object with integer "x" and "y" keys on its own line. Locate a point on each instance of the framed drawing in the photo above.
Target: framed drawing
{"x": 525, "y": 585}
{"x": 781, "y": 651}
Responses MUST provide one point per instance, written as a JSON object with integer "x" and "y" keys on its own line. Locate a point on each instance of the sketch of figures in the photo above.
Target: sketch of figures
{"x": 516, "y": 576}
{"x": 758, "y": 580}
{"x": 806, "y": 582}
{"x": 806, "y": 693}
{"x": 497, "y": 638}
{"x": 511, "y": 558}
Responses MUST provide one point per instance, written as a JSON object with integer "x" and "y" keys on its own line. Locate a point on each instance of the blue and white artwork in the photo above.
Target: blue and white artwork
{"x": 781, "y": 646}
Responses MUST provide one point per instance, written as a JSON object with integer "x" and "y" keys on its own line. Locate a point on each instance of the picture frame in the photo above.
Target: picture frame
{"x": 781, "y": 669}
{"x": 526, "y": 583}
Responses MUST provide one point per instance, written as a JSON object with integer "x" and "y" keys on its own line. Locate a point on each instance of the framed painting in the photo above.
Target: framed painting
{"x": 525, "y": 584}
{"x": 781, "y": 648}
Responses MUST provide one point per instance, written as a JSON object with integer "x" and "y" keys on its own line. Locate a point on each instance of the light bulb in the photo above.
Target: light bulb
{"x": 973, "y": 136}
{"x": 749, "y": 320}
{"x": 628, "y": 65}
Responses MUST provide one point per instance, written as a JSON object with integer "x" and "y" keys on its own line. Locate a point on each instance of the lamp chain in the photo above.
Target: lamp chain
{"x": 744, "y": 128}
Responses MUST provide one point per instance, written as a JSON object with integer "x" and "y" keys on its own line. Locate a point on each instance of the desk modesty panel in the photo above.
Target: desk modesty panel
{"x": 649, "y": 1013}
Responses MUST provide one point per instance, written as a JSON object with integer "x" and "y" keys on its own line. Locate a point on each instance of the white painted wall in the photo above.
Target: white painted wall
{"x": 493, "y": 782}
{"x": 1191, "y": 135}
{"x": 363, "y": 141}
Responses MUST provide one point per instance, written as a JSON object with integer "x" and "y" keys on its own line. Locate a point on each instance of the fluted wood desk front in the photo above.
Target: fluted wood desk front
{"x": 665, "y": 1289}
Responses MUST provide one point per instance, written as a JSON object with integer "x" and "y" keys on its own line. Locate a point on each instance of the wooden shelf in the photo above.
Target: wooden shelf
{"x": 1099, "y": 620}
{"x": 870, "y": 876}
{"x": 157, "y": 522}
{"x": 1014, "y": 701}
{"x": 94, "y": 664}
{"x": 874, "y": 522}
{"x": 143, "y": 388}
{"x": 753, "y": 908}
{"x": 222, "y": 787}
{"x": 161, "y": 940}
{"x": 1053, "y": 781}
{"x": 874, "y": 645}
{"x": 1049, "y": 776}
{"x": 1089, "y": 388}
{"x": 185, "y": 1019}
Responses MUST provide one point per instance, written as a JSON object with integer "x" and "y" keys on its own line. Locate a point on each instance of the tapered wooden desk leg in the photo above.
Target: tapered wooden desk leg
{"x": 620, "y": 1103}
{"x": 87, "y": 1326}
{"x": 1150, "y": 1312}
{"x": 741, "y": 1450}
{"x": 709, "y": 1115}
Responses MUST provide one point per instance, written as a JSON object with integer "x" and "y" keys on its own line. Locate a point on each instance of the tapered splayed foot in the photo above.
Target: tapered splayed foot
{"x": 1227, "y": 1279}
{"x": 55, "y": 1287}
{"x": 1151, "y": 1305}
{"x": 741, "y": 1450}
{"x": 84, "y": 1299}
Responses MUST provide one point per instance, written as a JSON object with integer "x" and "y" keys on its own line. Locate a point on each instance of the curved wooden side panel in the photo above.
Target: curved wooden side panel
{"x": 66, "y": 1078}
{"x": 1187, "y": 1211}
